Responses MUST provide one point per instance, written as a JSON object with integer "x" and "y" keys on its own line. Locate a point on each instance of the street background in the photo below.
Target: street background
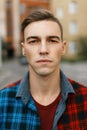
{"x": 12, "y": 70}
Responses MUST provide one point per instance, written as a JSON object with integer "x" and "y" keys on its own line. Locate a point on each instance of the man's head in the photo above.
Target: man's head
{"x": 40, "y": 15}
{"x": 43, "y": 44}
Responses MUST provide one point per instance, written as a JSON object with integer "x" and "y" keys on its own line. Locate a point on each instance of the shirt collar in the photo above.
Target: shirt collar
{"x": 24, "y": 93}
{"x": 66, "y": 86}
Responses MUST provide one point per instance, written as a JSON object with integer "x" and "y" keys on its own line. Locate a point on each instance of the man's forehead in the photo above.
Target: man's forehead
{"x": 47, "y": 23}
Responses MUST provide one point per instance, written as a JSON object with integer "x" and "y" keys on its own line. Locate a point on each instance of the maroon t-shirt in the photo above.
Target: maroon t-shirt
{"x": 47, "y": 113}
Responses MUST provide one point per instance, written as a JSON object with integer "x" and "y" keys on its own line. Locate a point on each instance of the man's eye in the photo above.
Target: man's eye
{"x": 32, "y": 41}
{"x": 54, "y": 41}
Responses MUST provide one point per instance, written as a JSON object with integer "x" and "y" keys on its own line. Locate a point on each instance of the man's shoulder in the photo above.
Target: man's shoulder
{"x": 78, "y": 87}
{"x": 10, "y": 89}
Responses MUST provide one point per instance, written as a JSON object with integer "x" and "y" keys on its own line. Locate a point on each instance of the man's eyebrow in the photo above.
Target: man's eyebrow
{"x": 57, "y": 37}
{"x": 36, "y": 37}
{"x": 31, "y": 37}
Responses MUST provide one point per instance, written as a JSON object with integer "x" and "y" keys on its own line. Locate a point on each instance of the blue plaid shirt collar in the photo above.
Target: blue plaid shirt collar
{"x": 24, "y": 93}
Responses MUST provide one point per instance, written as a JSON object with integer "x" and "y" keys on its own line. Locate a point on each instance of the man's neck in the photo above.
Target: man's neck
{"x": 45, "y": 89}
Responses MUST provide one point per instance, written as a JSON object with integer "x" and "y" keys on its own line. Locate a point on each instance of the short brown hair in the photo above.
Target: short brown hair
{"x": 39, "y": 15}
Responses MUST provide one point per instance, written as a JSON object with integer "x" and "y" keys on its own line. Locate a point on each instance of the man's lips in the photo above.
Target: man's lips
{"x": 43, "y": 61}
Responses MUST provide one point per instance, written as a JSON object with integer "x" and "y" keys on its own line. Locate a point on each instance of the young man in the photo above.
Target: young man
{"x": 44, "y": 99}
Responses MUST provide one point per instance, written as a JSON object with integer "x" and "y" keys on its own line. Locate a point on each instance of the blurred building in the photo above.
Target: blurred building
{"x": 10, "y": 24}
{"x": 2, "y": 19}
{"x": 73, "y": 16}
{"x": 27, "y": 6}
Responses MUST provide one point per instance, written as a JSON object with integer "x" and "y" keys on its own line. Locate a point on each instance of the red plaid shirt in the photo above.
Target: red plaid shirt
{"x": 75, "y": 115}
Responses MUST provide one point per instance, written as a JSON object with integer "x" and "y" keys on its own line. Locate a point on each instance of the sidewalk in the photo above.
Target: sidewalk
{"x": 76, "y": 71}
{"x": 12, "y": 71}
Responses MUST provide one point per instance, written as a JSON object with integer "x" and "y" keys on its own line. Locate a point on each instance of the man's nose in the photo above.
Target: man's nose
{"x": 43, "y": 50}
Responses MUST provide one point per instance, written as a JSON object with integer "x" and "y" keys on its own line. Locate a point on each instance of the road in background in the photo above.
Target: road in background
{"x": 12, "y": 70}
{"x": 76, "y": 71}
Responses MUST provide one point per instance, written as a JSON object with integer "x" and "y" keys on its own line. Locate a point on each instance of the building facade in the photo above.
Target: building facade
{"x": 72, "y": 14}
{"x": 2, "y": 19}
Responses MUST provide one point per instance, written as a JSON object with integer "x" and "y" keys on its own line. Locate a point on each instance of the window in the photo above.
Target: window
{"x": 9, "y": 22}
{"x": 59, "y": 13}
{"x": 8, "y": 4}
{"x": 72, "y": 49}
{"x": 22, "y": 8}
{"x": 72, "y": 7}
{"x": 73, "y": 27}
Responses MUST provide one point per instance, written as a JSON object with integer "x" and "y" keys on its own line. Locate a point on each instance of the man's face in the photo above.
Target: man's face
{"x": 43, "y": 47}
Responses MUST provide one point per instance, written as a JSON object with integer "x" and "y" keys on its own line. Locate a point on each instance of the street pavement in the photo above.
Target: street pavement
{"x": 12, "y": 70}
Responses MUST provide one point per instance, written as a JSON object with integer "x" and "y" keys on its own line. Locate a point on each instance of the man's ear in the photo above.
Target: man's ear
{"x": 64, "y": 47}
{"x": 22, "y": 47}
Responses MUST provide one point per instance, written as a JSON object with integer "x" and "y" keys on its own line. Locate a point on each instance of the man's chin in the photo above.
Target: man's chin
{"x": 44, "y": 73}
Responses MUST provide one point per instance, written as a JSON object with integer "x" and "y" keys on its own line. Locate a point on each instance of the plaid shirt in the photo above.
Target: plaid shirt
{"x": 18, "y": 110}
